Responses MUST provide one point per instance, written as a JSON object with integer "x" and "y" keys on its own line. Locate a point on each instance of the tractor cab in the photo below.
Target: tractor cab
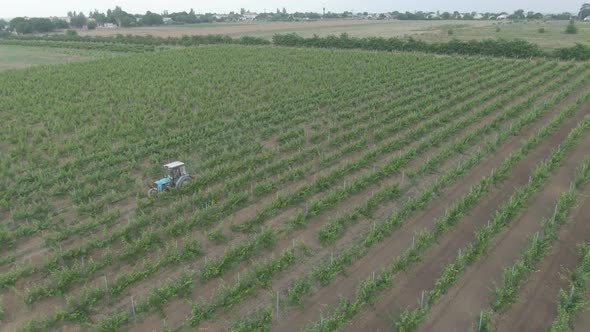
{"x": 176, "y": 177}
{"x": 176, "y": 170}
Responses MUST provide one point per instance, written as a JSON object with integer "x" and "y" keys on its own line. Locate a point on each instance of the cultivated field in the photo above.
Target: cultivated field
{"x": 335, "y": 190}
{"x": 553, "y": 37}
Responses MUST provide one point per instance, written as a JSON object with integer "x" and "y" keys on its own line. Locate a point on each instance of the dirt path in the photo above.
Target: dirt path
{"x": 460, "y": 306}
{"x": 409, "y": 285}
{"x": 397, "y": 243}
{"x": 536, "y": 308}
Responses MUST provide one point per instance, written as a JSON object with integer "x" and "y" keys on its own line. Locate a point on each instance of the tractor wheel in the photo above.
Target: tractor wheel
{"x": 152, "y": 192}
{"x": 184, "y": 182}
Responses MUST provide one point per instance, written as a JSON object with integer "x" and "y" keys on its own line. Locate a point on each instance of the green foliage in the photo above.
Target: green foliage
{"x": 234, "y": 157}
{"x": 258, "y": 321}
{"x": 451, "y": 273}
{"x": 571, "y": 28}
{"x": 579, "y": 52}
{"x": 572, "y": 299}
{"x": 217, "y": 235}
{"x": 508, "y": 211}
{"x": 492, "y": 47}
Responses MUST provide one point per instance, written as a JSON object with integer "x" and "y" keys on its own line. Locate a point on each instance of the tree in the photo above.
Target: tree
{"x": 584, "y": 11}
{"x": 446, "y": 15}
{"x": 562, "y": 16}
{"x": 3, "y": 24}
{"x": 79, "y": 20}
{"x": 41, "y": 25}
{"x": 127, "y": 21}
{"x": 60, "y": 24}
{"x": 284, "y": 11}
{"x": 468, "y": 16}
{"x": 91, "y": 25}
{"x": 20, "y": 25}
{"x": 571, "y": 28}
{"x": 151, "y": 19}
{"x": 100, "y": 18}
{"x": 534, "y": 16}
{"x": 518, "y": 15}
{"x": 242, "y": 11}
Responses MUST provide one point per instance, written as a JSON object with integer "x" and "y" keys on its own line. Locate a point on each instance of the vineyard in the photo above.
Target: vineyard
{"x": 335, "y": 190}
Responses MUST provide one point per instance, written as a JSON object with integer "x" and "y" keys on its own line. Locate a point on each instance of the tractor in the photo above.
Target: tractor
{"x": 177, "y": 178}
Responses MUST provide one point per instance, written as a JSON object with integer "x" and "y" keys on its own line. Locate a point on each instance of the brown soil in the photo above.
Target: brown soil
{"x": 222, "y": 29}
{"x": 408, "y": 286}
{"x": 398, "y": 242}
{"x": 537, "y": 303}
{"x": 469, "y": 296}
{"x": 309, "y": 235}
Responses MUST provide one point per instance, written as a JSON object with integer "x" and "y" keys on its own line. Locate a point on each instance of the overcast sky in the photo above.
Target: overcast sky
{"x": 14, "y": 8}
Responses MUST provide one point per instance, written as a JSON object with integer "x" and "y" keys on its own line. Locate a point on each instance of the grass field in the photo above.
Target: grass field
{"x": 334, "y": 190}
{"x": 426, "y": 30}
{"x": 24, "y": 56}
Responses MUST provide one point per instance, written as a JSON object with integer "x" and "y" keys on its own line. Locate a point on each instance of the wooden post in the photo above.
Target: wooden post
{"x": 277, "y": 305}
{"x": 480, "y": 320}
{"x": 422, "y": 300}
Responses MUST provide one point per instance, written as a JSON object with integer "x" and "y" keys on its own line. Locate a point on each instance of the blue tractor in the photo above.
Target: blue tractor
{"x": 177, "y": 178}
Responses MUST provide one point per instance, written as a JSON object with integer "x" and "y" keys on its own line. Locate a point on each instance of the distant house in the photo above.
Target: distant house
{"x": 167, "y": 20}
{"x": 110, "y": 25}
{"x": 502, "y": 17}
{"x": 249, "y": 16}
{"x": 432, "y": 16}
{"x": 478, "y": 16}
{"x": 587, "y": 19}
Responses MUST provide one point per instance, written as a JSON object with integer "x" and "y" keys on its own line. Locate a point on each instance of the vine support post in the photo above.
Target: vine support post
{"x": 480, "y": 320}
{"x": 422, "y": 300}
{"x": 277, "y": 306}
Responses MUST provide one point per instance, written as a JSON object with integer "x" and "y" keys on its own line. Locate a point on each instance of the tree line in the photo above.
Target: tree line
{"x": 486, "y": 47}
{"x": 121, "y": 18}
